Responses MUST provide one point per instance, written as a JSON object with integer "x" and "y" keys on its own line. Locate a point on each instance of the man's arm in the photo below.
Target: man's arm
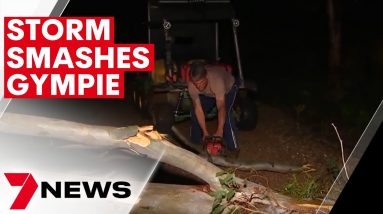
{"x": 200, "y": 116}
{"x": 220, "y": 100}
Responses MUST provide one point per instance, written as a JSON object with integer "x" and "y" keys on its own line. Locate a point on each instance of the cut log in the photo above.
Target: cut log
{"x": 180, "y": 199}
{"x": 107, "y": 136}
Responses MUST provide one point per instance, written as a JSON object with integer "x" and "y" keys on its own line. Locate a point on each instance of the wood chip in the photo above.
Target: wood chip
{"x": 139, "y": 139}
{"x": 153, "y": 135}
{"x": 145, "y": 128}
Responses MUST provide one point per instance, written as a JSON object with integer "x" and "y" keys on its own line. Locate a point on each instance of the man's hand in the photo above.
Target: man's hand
{"x": 219, "y": 133}
{"x": 205, "y": 135}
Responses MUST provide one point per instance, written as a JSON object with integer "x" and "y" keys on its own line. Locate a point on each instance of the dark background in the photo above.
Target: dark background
{"x": 284, "y": 48}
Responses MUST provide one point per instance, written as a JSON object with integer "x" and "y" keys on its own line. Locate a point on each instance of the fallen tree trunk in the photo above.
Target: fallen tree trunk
{"x": 107, "y": 136}
{"x": 181, "y": 199}
{"x": 144, "y": 142}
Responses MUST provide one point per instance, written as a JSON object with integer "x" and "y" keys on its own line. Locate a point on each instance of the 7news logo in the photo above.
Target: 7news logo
{"x": 71, "y": 189}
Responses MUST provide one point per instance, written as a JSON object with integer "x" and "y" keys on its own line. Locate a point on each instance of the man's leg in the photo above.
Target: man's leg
{"x": 195, "y": 130}
{"x": 230, "y": 127}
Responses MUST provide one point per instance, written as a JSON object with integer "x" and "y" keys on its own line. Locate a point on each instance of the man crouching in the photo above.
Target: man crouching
{"x": 211, "y": 86}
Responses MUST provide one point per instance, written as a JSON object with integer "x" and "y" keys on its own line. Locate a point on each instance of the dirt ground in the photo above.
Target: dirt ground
{"x": 280, "y": 138}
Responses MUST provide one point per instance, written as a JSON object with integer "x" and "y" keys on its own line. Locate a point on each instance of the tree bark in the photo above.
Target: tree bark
{"x": 107, "y": 136}
{"x": 180, "y": 199}
{"x": 145, "y": 142}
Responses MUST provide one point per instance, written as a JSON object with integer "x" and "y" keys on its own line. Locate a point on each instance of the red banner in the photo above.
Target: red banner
{"x": 68, "y": 58}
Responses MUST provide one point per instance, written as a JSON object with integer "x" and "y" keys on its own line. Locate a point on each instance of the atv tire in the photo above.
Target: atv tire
{"x": 245, "y": 112}
{"x": 163, "y": 117}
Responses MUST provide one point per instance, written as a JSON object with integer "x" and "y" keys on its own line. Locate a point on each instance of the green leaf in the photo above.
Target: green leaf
{"x": 219, "y": 193}
{"x": 228, "y": 178}
{"x": 230, "y": 194}
{"x": 212, "y": 194}
{"x": 231, "y": 170}
{"x": 220, "y": 173}
{"x": 221, "y": 181}
{"x": 219, "y": 209}
{"x": 216, "y": 203}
